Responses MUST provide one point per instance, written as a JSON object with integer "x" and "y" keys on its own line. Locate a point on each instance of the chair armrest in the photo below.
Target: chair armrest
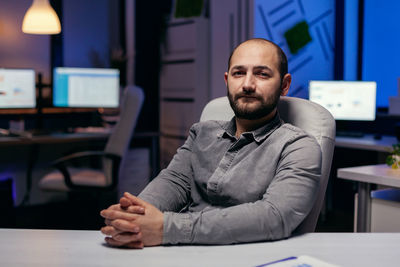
{"x": 84, "y": 154}
{"x": 61, "y": 165}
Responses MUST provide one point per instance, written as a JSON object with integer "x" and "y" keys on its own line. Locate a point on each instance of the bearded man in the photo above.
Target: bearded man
{"x": 253, "y": 178}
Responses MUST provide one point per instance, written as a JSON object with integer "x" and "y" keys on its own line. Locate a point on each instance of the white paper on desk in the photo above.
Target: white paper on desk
{"x": 300, "y": 261}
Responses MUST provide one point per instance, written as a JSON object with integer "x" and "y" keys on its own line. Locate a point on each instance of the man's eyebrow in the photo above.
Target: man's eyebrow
{"x": 238, "y": 67}
{"x": 263, "y": 67}
{"x": 259, "y": 67}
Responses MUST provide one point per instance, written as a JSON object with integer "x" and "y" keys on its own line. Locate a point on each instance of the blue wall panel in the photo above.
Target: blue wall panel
{"x": 313, "y": 61}
{"x": 381, "y": 55}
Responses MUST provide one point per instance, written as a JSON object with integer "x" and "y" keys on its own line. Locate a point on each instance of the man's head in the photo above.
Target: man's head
{"x": 283, "y": 63}
{"x": 256, "y": 78}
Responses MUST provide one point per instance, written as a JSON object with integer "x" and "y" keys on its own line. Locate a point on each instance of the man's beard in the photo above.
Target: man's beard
{"x": 264, "y": 108}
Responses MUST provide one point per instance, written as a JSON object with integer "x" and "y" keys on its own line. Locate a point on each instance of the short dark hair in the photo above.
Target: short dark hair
{"x": 283, "y": 63}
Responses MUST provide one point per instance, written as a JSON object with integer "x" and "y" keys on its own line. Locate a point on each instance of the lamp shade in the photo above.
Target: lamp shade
{"x": 41, "y": 19}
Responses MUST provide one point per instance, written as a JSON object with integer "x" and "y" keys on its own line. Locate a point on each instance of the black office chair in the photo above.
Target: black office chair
{"x": 73, "y": 179}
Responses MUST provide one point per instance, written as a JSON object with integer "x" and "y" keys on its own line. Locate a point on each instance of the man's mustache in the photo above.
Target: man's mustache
{"x": 251, "y": 94}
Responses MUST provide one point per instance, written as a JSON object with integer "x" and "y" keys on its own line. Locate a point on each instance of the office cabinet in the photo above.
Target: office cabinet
{"x": 194, "y": 60}
{"x": 184, "y": 81}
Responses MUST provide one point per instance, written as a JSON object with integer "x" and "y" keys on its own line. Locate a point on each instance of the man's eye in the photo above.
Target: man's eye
{"x": 263, "y": 74}
{"x": 238, "y": 73}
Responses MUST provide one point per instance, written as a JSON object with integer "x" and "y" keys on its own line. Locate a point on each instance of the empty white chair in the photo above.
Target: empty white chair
{"x": 68, "y": 178}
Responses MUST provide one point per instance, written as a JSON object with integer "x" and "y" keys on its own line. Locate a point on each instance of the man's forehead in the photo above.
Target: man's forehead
{"x": 252, "y": 46}
{"x": 260, "y": 67}
{"x": 257, "y": 42}
{"x": 255, "y": 53}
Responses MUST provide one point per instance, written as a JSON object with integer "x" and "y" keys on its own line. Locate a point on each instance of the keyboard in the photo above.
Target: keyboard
{"x": 25, "y": 134}
{"x": 92, "y": 130}
{"x": 8, "y": 133}
{"x": 39, "y": 132}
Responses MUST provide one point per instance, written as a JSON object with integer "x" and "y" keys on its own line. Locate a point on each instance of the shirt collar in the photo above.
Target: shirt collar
{"x": 259, "y": 134}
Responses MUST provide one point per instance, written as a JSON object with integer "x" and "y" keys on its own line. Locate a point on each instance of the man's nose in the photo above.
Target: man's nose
{"x": 249, "y": 85}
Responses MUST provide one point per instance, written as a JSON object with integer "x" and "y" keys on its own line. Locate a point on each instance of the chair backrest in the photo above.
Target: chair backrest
{"x": 119, "y": 140}
{"x": 307, "y": 115}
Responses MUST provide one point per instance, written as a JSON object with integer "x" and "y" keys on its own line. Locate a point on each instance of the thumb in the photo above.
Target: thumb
{"x": 135, "y": 200}
{"x": 124, "y": 202}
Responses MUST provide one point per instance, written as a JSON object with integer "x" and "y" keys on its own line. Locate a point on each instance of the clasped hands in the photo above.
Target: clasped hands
{"x": 133, "y": 223}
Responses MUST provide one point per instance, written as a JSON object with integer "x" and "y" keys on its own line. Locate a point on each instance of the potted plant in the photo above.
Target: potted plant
{"x": 393, "y": 160}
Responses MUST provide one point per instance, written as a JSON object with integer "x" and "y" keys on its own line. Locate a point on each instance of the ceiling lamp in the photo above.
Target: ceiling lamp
{"x": 41, "y": 19}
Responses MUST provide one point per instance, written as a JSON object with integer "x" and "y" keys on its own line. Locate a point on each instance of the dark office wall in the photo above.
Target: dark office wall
{"x": 90, "y": 32}
{"x": 150, "y": 17}
{"x": 18, "y": 49}
{"x": 87, "y": 35}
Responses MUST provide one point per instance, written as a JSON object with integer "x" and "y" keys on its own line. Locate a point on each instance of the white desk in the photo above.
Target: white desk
{"x": 86, "y": 248}
{"x": 32, "y": 148}
{"x": 365, "y": 175}
{"x": 367, "y": 142}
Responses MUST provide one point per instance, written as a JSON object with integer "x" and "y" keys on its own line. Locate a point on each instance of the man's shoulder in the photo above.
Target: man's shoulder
{"x": 210, "y": 125}
{"x": 208, "y": 129}
{"x": 292, "y": 132}
{"x": 290, "y": 128}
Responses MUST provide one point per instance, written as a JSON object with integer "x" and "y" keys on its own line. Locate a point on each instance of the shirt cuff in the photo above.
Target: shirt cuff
{"x": 177, "y": 228}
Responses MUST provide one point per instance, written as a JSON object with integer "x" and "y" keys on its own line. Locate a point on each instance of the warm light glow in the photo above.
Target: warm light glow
{"x": 41, "y": 19}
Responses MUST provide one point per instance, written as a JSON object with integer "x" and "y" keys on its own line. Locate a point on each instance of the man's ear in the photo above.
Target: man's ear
{"x": 286, "y": 81}
{"x": 226, "y": 78}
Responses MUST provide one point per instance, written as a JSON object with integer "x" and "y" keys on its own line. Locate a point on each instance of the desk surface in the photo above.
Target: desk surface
{"x": 52, "y": 138}
{"x": 375, "y": 174}
{"x": 367, "y": 142}
{"x": 86, "y": 248}
{"x": 59, "y": 137}
{"x": 364, "y": 143}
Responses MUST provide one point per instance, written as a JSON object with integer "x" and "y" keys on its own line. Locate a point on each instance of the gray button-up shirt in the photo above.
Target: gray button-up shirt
{"x": 219, "y": 189}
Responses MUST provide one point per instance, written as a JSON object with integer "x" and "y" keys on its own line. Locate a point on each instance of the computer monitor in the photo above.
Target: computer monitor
{"x": 85, "y": 87}
{"x": 17, "y": 88}
{"x": 346, "y": 100}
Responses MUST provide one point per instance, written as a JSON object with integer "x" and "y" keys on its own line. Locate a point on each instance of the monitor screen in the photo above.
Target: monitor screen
{"x": 86, "y": 87}
{"x": 17, "y": 88}
{"x": 346, "y": 100}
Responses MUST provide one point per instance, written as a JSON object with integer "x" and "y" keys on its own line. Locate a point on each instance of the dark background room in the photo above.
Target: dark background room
{"x": 177, "y": 53}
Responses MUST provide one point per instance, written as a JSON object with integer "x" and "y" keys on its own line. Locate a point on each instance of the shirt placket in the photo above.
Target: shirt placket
{"x": 214, "y": 189}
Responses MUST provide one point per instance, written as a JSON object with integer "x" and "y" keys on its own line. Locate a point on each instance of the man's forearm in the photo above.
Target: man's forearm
{"x": 170, "y": 190}
{"x": 243, "y": 223}
{"x": 167, "y": 192}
